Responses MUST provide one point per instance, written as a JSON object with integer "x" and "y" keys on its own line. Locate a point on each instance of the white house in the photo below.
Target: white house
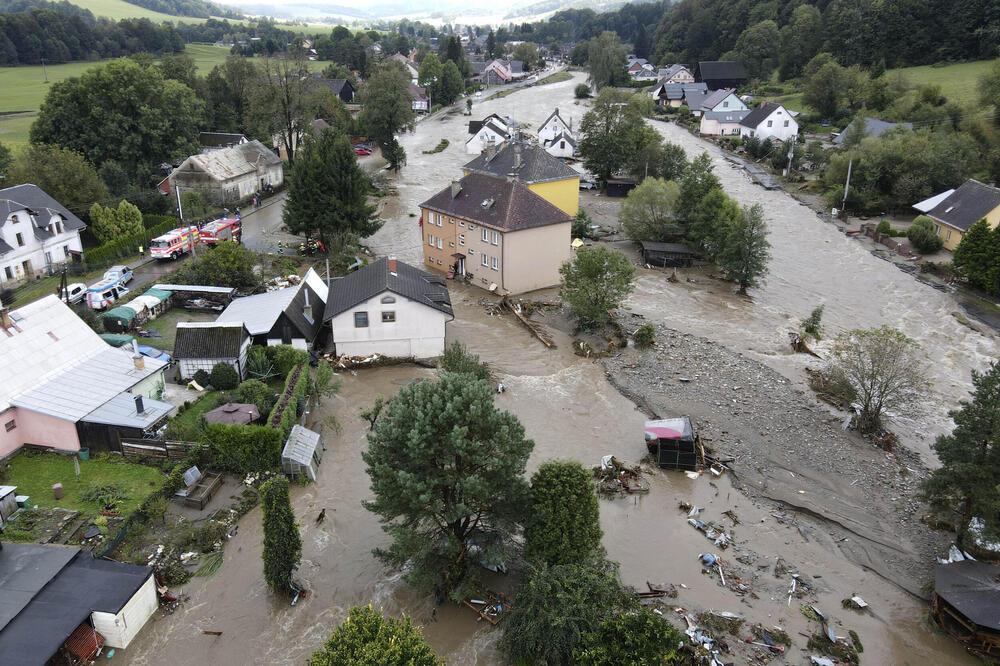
{"x": 722, "y": 123}
{"x": 676, "y": 73}
{"x": 228, "y": 174}
{"x": 37, "y": 233}
{"x": 290, "y": 316}
{"x": 389, "y": 308}
{"x": 770, "y": 120}
{"x": 553, "y": 126}
{"x": 408, "y": 65}
{"x": 201, "y": 345}
{"x": 723, "y": 100}
{"x": 490, "y": 132}
{"x": 562, "y": 145}
{"x": 646, "y": 72}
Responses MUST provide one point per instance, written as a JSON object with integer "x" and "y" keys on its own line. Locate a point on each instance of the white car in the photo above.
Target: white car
{"x": 74, "y": 292}
{"x": 479, "y": 93}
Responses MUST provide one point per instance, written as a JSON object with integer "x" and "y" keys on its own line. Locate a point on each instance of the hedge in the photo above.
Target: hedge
{"x": 126, "y": 246}
{"x": 151, "y": 221}
{"x": 243, "y": 450}
{"x": 289, "y": 406}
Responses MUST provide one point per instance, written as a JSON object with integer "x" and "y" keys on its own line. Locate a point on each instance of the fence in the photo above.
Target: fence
{"x": 154, "y": 448}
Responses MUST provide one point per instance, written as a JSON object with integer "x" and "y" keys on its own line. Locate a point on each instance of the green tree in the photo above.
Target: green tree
{"x": 328, "y": 192}
{"x": 282, "y": 543}
{"x": 256, "y": 392}
{"x": 228, "y": 265}
{"x": 447, "y": 517}
{"x": 968, "y": 481}
{"x": 109, "y": 223}
{"x": 224, "y": 377}
{"x": 989, "y": 91}
{"x": 648, "y": 211}
{"x": 613, "y": 132}
{"x": 697, "y": 181}
{"x": 452, "y": 84}
{"x": 527, "y": 52}
{"x": 368, "y": 637}
{"x": 230, "y": 88}
{"x": 386, "y": 108}
{"x": 457, "y": 358}
{"x": 638, "y": 637}
{"x": 977, "y": 257}
{"x": 823, "y": 90}
{"x": 491, "y": 44}
{"x": 921, "y": 233}
{"x": 595, "y": 281}
{"x": 673, "y": 162}
{"x": 745, "y": 251}
{"x": 708, "y": 226}
{"x": 606, "y": 60}
{"x": 431, "y": 75}
{"x": 642, "y": 45}
{"x": 801, "y": 38}
{"x": 855, "y": 133}
{"x": 565, "y": 522}
{"x": 124, "y": 112}
{"x": 6, "y": 159}
{"x": 556, "y": 606}
{"x": 886, "y": 370}
{"x": 582, "y": 91}
{"x": 279, "y": 102}
{"x": 758, "y": 47}
{"x": 63, "y": 174}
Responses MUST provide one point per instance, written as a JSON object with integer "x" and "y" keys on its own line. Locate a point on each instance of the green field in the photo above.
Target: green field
{"x": 959, "y": 82}
{"x": 119, "y": 9}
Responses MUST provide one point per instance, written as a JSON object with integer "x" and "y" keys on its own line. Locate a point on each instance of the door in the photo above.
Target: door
{"x": 461, "y": 266}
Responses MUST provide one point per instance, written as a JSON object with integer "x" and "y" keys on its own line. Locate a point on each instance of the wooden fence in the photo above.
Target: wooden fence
{"x": 155, "y": 448}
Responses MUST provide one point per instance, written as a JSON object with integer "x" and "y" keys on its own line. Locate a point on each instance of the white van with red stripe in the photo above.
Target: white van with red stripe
{"x": 174, "y": 243}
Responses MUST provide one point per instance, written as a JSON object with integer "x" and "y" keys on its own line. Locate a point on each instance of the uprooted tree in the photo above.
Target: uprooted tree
{"x": 885, "y": 369}
{"x": 447, "y": 472}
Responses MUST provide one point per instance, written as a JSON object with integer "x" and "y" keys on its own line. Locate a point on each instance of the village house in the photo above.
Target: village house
{"x": 562, "y": 145}
{"x": 62, "y": 605}
{"x": 722, "y": 100}
{"x": 498, "y": 72}
{"x": 289, "y": 316}
{"x": 873, "y": 127}
{"x": 342, "y": 88}
{"x": 62, "y": 386}
{"x": 420, "y": 100}
{"x": 228, "y": 175}
{"x": 676, "y": 73}
{"x": 529, "y": 164}
{"x": 388, "y": 308}
{"x": 496, "y": 232}
{"x": 955, "y": 211}
{"x": 718, "y": 74}
{"x": 722, "y": 123}
{"x": 553, "y": 126}
{"x": 201, "y": 345}
{"x": 37, "y": 233}
{"x": 493, "y": 129}
{"x": 408, "y": 65}
{"x": 770, "y": 120}
{"x": 679, "y": 94}
{"x": 645, "y": 73}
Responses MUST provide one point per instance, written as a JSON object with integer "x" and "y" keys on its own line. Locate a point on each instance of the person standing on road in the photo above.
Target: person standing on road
{"x": 141, "y": 251}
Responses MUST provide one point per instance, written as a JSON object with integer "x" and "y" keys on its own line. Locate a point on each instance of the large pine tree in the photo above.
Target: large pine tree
{"x": 328, "y": 193}
{"x": 282, "y": 543}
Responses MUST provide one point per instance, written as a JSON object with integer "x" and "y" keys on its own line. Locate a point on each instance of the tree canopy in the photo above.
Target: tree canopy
{"x": 977, "y": 257}
{"x": 109, "y": 223}
{"x": 565, "y": 521}
{"x": 613, "y": 131}
{"x": 368, "y": 637}
{"x": 595, "y": 281}
{"x": 637, "y": 637}
{"x": 744, "y": 252}
{"x": 648, "y": 211}
{"x": 606, "y": 60}
{"x": 282, "y": 543}
{"x": 63, "y": 174}
{"x": 447, "y": 472}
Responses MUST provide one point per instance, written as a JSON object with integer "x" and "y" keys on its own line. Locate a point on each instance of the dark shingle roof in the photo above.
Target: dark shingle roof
{"x": 537, "y": 166}
{"x": 758, "y": 115}
{"x": 563, "y": 136}
{"x": 34, "y": 198}
{"x": 214, "y": 340}
{"x": 212, "y": 139}
{"x": 973, "y": 588}
{"x": 720, "y": 69}
{"x": 971, "y": 202}
{"x": 496, "y": 202}
{"x": 296, "y": 312}
{"x": 475, "y": 126}
{"x": 375, "y": 278}
{"x": 715, "y": 97}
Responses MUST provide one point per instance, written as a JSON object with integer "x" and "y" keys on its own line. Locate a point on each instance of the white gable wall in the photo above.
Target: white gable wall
{"x": 560, "y": 148}
{"x": 730, "y": 103}
{"x": 779, "y": 125}
{"x": 417, "y": 332}
{"x": 554, "y": 127}
{"x": 120, "y": 629}
{"x": 39, "y": 254}
{"x": 477, "y": 143}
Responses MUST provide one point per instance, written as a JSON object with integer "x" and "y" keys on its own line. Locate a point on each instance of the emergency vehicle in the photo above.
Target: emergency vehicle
{"x": 102, "y": 294}
{"x": 174, "y": 243}
{"x": 228, "y": 228}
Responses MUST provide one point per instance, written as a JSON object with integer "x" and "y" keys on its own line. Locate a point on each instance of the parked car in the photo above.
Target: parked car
{"x": 153, "y": 352}
{"x": 587, "y": 184}
{"x": 74, "y": 292}
{"x": 479, "y": 93}
{"x": 101, "y": 295}
{"x": 358, "y": 150}
{"x": 366, "y": 146}
{"x": 120, "y": 274}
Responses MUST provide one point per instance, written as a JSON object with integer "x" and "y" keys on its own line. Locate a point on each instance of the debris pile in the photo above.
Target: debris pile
{"x": 714, "y": 532}
{"x": 282, "y": 281}
{"x": 615, "y": 477}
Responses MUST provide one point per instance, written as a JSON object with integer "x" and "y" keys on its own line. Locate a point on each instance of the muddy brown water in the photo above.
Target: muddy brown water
{"x": 570, "y": 411}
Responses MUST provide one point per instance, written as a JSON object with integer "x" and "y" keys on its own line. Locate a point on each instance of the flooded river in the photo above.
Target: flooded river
{"x": 571, "y": 411}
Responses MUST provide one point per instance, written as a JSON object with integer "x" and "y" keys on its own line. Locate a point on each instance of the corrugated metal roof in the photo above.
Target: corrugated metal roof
{"x": 931, "y": 203}
{"x": 226, "y": 163}
{"x": 120, "y": 411}
{"x": 49, "y": 338}
{"x": 88, "y": 384}
{"x": 260, "y": 312}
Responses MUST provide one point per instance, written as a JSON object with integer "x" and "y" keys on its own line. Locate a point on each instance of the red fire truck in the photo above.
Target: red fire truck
{"x": 228, "y": 228}
{"x": 174, "y": 243}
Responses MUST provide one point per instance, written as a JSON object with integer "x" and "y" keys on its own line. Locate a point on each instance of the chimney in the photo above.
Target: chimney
{"x": 138, "y": 360}
{"x": 139, "y": 409}
{"x": 517, "y": 156}
{"x": 392, "y": 263}
{"x": 491, "y": 149}
{"x": 456, "y": 188}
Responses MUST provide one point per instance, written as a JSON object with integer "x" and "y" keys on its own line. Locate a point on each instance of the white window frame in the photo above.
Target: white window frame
{"x": 486, "y": 259}
{"x": 430, "y": 239}
{"x": 496, "y": 238}
{"x": 486, "y": 235}
{"x": 495, "y": 263}
{"x": 440, "y": 244}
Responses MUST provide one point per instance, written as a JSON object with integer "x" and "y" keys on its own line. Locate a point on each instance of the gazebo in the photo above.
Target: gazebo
{"x": 303, "y": 452}
{"x": 233, "y": 413}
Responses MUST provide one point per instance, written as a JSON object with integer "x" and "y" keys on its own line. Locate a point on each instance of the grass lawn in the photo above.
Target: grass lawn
{"x": 166, "y": 325}
{"x": 555, "y": 78}
{"x": 959, "y": 82}
{"x": 35, "y": 475}
{"x": 119, "y": 9}
{"x": 206, "y": 402}
{"x": 790, "y": 102}
{"x": 39, "y": 288}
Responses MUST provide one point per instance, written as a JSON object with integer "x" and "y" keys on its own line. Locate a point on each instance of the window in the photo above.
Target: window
{"x": 461, "y": 224}
{"x": 471, "y": 251}
{"x": 786, "y": 123}
{"x": 496, "y": 238}
{"x": 770, "y": 122}
{"x": 472, "y": 227}
{"x": 451, "y": 245}
{"x": 388, "y": 316}
{"x": 725, "y": 104}
{"x": 360, "y": 320}
{"x": 430, "y": 239}
{"x": 496, "y": 264}
{"x": 14, "y": 219}
{"x": 440, "y": 244}
{"x": 48, "y": 258}
{"x": 948, "y": 238}
{"x": 486, "y": 260}
{"x": 486, "y": 235}
{"x": 20, "y": 240}
{"x": 9, "y": 273}
{"x": 10, "y": 425}
{"x": 440, "y": 221}
{"x": 562, "y": 145}
{"x": 66, "y": 251}
{"x": 451, "y": 220}
{"x": 388, "y": 299}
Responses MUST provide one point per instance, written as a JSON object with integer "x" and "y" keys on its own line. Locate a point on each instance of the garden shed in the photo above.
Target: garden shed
{"x": 138, "y": 311}
{"x": 673, "y": 443}
{"x": 303, "y": 452}
{"x": 967, "y": 604}
{"x": 8, "y": 502}
{"x": 200, "y": 345}
{"x": 666, "y": 255}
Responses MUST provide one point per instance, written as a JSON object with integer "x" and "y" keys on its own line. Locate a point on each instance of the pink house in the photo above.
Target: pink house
{"x": 62, "y": 386}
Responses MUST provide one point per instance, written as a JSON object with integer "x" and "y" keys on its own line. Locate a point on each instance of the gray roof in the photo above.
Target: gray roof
{"x": 671, "y": 248}
{"x": 973, "y": 588}
{"x": 681, "y": 90}
{"x": 873, "y": 127}
{"x": 24, "y": 571}
{"x": 215, "y": 339}
{"x": 758, "y": 115}
{"x": 301, "y": 445}
{"x": 120, "y": 411}
{"x": 195, "y": 287}
{"x": 715, "y": 97}
{"x": 720, "y": 69}
{"x": 233, "y": 413}
{"x": 971, "y": 202}
{"x": 670, "y": 71}
{"x": 70, "y": 593}
{"x": 231, "y": 162}
{"x": 34, "y": 198}
{"x": 498, "y": 203}
{"x": 694, "y": 98}
{"x": 212, "y": 139}
{"x": 375, "y": 278}
{"x": 563, "y": 136}
{"x": 536, "y": 166}
{"x": 727, "y": 116}
{"x": 259, "y": 312}
{"x": 84, "y": 386}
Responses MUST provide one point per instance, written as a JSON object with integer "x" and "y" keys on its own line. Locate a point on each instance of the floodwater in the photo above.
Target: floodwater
{"x": 570, "y": 411}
